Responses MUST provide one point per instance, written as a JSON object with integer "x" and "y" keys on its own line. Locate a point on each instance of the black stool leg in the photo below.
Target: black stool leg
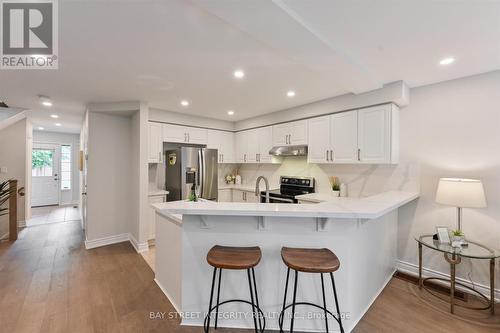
{"x": 218, "y": 296}
{"x": 256, "y": 298}
{"x": 207, "y": 329}
{"x": 294, "y": 299}
{"x": 337, "y": 303}
{"x": 324, "y": 301}
{"x": 251, "y": 298}
{"x": 280, "y": 323}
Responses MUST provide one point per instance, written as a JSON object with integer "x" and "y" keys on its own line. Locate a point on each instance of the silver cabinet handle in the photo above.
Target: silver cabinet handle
{"x": 331, "y": 155}
{"x": 327, "y": 155}
{"x": 245, "y": 157}
{"x": 222, "y": 155}
{"x": 189, "y": 138}
{"x": 359, "y": 154}
{"x": 159, "y": 156}
{"x": 185, "y": 137}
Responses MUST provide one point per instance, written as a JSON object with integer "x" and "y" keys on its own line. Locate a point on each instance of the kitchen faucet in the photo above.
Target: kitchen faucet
{"x": 257, "y": 187}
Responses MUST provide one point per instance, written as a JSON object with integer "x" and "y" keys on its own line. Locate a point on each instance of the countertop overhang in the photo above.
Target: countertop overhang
{"x": 357, "y": 208}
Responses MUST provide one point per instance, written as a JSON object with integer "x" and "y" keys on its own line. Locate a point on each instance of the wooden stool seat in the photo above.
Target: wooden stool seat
{"x": 227, "y": 257}
{"x": 310, "y": 260}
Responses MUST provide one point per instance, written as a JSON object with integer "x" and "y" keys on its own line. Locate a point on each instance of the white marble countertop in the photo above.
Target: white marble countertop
{"x": 155, "y": 192}
{"x": 364, "y": 208}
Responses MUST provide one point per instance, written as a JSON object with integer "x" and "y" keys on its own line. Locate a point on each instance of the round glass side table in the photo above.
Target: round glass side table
{"x": 453, "y": 256}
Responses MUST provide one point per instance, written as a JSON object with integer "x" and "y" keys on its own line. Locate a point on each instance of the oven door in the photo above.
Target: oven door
{"x": 273, "y": 199}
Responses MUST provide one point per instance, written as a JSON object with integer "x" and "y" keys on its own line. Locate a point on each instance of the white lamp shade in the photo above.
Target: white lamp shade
{"x": 464, "y": 193}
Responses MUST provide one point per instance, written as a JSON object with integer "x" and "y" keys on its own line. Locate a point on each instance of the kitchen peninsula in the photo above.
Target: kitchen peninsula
{"x": 361, "y": 231}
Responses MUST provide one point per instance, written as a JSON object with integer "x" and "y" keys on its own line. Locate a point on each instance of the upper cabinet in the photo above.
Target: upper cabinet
{"x": 223, "y": 141}
{"x": 288, "y": 134}
{"x": 155, "y": 143}
{"x": 367, "y": 136}
{"x": 252, "y": 146}
{"x": 184, "y": 134}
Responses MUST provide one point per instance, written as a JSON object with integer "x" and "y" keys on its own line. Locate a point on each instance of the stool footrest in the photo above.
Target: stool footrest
{"x": 280, "y": 318}
{"x": 261, "y": 313}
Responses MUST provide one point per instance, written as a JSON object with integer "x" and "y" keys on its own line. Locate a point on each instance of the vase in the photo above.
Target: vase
{"x": 336, "y": 193}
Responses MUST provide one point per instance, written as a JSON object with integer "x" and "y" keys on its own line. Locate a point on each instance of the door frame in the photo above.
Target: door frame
{"x": 57, "y": 150}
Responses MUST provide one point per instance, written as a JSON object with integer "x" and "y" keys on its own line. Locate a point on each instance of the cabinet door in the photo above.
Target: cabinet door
{"x": 238, "y": 196}
{"x": 344, "y": 137}
{"x": 280, "y": 134}
{"x": 265, "y": 143}
{"x": 197, "y": 135}
{"x": 155, "y": 143}
{"x": 152, "y": 215}
{"x": 374, "y": 134}
{"x": 227, "y": 147}
{"x": 319, "y": 140}
{"x": 298, "y": 133}
{"x": 225, "y": 195}
{"x": 251, "y": 197}
{"x": 241, "y": 147}
{"x": 253, "y": 146}
{"x": 174, "y": 133}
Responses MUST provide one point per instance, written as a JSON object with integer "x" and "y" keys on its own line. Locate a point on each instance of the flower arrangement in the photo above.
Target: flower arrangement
{"x": 230, "y": 179}
{"x": 335, "y": 183}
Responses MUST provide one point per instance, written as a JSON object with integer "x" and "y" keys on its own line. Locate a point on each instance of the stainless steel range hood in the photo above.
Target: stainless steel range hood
{"x": 289, "y": 150}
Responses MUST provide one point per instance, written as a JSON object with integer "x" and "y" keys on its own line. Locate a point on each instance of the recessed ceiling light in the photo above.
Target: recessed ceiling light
{"x": 184, "y": 103}
{"x": 58, "y": 124}
{"x": 55, "y": 116}
{"x": 45, "y": 100}
{"x": 290, "y": 93}
{"x": 239, "y": 74}
{"x": 230, "y": 112}
{"x": 447, "y": 61}
{"x": 41, "y": 128}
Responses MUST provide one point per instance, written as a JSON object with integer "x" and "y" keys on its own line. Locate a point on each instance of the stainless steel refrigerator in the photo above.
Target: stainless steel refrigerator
{"x": 187, "y": 165}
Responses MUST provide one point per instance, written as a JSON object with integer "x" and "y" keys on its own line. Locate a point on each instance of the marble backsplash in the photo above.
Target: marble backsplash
{"x": 362, "y": 180}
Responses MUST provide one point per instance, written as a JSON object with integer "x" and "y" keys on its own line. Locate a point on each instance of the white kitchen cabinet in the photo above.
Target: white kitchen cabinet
{"x": 223, "y": 141}
{"x": 225, "y": 195}
{"x": 155, "y": 143}
{"x": 241, "y": 147}
{"x": 344, "y": 137}
{"x": 378, "y": 134}
{"x": 174, "y": 133}
{"x": 293, "y": 133}
{"x": 265, "y": 144}
{"x": 253, "y": 146}
{"x": 369, "y": 136}
{"x": 196, "y": 135}
{"x": 184, "y": 134}
{"x": 152, "y": 214}
{"x": 245, "y": 196}
{"x": 319, "y": 140}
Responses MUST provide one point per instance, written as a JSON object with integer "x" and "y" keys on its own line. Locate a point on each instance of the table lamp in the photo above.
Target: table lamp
{"x": 461, "y": 193}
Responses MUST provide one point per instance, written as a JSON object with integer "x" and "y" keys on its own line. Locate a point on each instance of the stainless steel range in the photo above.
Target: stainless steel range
{"x": 290, "y": 187}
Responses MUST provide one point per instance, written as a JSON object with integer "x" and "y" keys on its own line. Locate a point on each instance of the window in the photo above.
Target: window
{"x": 42, "y": 162}
{"x": 65, "y": 167}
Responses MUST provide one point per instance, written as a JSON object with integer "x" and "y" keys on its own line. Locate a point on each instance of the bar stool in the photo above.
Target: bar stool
{"x": 235, "y": 258}
{"x": 310, "y": 261}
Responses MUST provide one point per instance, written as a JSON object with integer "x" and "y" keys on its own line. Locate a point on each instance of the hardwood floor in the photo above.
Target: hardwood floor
{"x": 50, "y": 283}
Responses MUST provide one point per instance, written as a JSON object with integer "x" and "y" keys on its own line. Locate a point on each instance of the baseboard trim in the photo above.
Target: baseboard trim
{"x": 90, "y": 244}
{"x": 176, "y": 306}
{"x": 139, "y": 247}
{"x": 4, "y": 237}
{"x": 21, "y": 224}
{"x": 410, "y": 268}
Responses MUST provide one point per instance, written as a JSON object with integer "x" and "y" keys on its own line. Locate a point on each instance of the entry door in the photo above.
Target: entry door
{"x": 45, "y": 175}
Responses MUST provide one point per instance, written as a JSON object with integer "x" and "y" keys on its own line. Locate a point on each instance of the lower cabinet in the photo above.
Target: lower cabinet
{"x": 237, "y": 195}
{"x": 152, "y": 214}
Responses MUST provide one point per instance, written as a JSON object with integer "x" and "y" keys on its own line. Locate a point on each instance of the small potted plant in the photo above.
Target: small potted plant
{"x": 458, "y": 235}
{"x": 5, "y": 193}
{"x": 334, "y": 181}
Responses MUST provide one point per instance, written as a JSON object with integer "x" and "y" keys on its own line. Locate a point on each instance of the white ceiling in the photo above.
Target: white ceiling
{"x": 165, "y": 51}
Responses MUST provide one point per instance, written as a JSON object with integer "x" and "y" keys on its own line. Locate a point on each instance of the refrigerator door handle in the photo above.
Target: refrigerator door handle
{"x": 201, "y": 171}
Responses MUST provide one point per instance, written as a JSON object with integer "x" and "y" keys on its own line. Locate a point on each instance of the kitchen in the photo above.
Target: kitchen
{"x": 262, "y": 174}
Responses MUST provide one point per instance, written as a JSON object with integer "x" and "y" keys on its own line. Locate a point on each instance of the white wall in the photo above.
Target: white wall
{"x": 67, "y": 197}
{"x": 109, "y": 176}
{"x": 13, "y": 156}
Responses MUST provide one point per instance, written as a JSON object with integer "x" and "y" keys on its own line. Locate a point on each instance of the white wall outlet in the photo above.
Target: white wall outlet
{"x": 3, "y": 170}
